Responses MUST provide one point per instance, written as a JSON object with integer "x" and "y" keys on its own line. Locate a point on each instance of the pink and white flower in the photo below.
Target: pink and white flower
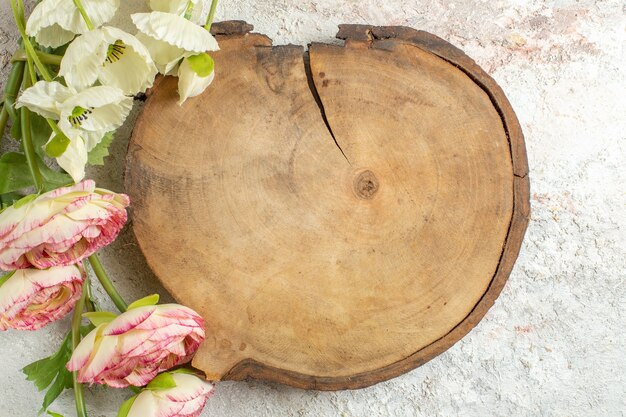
{"x": 186, "y": 399}
{"x": 32, "y": 298}
{"x": 135, "y": 346}
{"x": 60, "y": 227}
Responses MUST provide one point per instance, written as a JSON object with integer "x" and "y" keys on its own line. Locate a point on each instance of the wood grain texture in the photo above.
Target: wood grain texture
{"x": 338, "y": 217}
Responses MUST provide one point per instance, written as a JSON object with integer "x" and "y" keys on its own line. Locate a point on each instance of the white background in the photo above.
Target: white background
{"x": 554, "y": 344}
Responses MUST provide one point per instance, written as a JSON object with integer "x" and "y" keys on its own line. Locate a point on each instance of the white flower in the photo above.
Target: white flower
{"x": 84, "y": 117}
{"x": 110, "y": 56}
{"x": 179, "y": 7}
{"x": 55, "y": 22}
{"x": 195, "y": 74}
{"x": 169, "y": 38}
{"x": 96, "y": 109}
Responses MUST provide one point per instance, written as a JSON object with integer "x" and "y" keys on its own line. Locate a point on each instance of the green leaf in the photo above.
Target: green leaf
{"x": 57, "y": 145}
{"x": 25, "y": 200}
{"x": 101, "y": 150}
{"x": 202, "y": 64}
{"x": 62, "y": 382}
{"x": 184, "y": 371}
{"x": 145, "y": 301}
{"x": 126, "y": 405}
{"x": 14, "y": 172}
{"x": 52, "y": 179}
{"x": 53, "y": 414}
{"x": 4, "y": 278}
{"x": 99, "y": 317}
{"x": 40, "y": 133}
{"x": 44, "y": 371}
{"x": 50, "y": 373}
{"x": 162, "y": 381}
{"x": 7, "y": 200}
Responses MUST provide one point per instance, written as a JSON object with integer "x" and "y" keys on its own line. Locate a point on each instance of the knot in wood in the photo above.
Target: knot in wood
{"x": 366, "y": 185}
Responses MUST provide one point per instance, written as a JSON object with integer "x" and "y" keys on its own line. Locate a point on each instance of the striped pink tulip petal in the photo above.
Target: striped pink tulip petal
{"x": 136, "y": 345}
{"x": 32, "y": 298}
{"x": 60, "y": 227}
{"x": 186, "y": 399}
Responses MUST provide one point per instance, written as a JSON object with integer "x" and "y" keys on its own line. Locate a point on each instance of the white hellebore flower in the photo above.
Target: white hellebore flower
{"x": 111, "y": 56}
{"x": 84, "y": 117}
{"x": 195, "y": 74}
{"x": 179, "y": 7}
{"x": 55, "y": 22}
{"x": 170, "y": 37}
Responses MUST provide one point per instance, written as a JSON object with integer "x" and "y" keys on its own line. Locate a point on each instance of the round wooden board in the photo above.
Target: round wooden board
{"x": 338, "y": 217}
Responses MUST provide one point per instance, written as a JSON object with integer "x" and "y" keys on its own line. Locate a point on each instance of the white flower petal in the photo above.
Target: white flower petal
{"x": 81, "y": 354}
{"x": 189, "y": 387}
{"x": 100, "y": 358}
{"x": 83, "y": 60}
{"x": 54, "y": 36}
{"x": 74, "y": 158}
{"x": 176, "y": 31}
{"x": 45, "y": 98}
{"x": 100, "y": 11}
{"x": 92, "y": 138}
{"x": 145, "y": 405}
{"x": 191, "y": 84}
{"x": 171, "y": 6}
{"x": 165, "y": 56}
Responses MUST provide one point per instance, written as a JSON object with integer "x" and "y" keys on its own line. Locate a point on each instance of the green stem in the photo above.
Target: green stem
{"x": 20, "y": 8}
{"x": 48, "y": 59}
{"x": 209, "y": 19}
{"x": 30, "y": 50}
{"x": 4, "y": 118}
{"x": 30, "y": 69}
{"x": 89, "y": 304}
{"x": 29, "y": 150}
{"x": 83, "y": 13}
{"x": 55, "y": 128}
{"x": 81, "y": 410}
{"x": 108, "y": 286}
{"x": 12, "y": 87}
{"x": 27, "y": 144}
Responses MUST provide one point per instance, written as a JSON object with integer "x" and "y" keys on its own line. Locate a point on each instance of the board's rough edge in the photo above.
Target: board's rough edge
{"x": 376, "y": 36}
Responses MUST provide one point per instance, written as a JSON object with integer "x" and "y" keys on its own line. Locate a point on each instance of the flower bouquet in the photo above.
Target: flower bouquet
{"x": 71, "y": 85}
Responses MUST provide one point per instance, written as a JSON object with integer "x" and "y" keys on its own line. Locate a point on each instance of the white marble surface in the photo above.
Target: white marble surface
{"x": 554, "y": 344}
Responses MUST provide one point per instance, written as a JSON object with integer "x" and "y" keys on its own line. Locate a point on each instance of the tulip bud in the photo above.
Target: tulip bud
{"x": 32, "y": 298}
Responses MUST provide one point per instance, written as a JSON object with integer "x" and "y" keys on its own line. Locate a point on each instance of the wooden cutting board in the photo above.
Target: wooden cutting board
{"x": 339, "y": 215}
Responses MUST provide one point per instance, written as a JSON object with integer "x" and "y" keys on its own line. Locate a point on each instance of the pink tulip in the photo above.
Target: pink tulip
{"x": 32, "y": 298}
{"x": 60, "y": 227}
{"x": 137, "y": 345}
{"x": 186, "y": 399}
